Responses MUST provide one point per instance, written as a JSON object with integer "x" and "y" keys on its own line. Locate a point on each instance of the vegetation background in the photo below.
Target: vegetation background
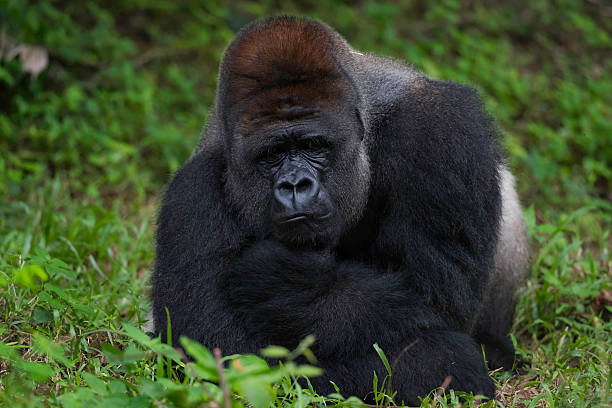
{"x": 101, "y": 101}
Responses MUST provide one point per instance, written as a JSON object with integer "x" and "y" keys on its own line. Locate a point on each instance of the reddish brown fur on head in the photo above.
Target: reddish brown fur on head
{"x": 281, "y": 69}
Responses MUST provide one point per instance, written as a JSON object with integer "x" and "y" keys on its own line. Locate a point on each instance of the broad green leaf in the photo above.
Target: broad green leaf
{"x": 200, "y": 354}
{"x": 29, "y": 276}
{"x": 275, "y": 352}
{"x": 40, "y": 372}
{"x": 45, "y": 345}
{"x": 96, "y": 384}
{"x": 257, "y": 392}
{"x": 137, "y": 334}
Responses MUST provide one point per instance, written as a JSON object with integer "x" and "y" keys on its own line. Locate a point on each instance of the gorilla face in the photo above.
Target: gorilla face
{"x": 306, "y": 178}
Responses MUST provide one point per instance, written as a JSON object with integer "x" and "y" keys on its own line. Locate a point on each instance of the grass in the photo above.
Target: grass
{"x": 88, "y": 145}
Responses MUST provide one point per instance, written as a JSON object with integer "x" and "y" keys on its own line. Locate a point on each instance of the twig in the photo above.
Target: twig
{"x": 222, "y": 383}
{"x": 444, "y": 385}
{"x": 397, "y": 358}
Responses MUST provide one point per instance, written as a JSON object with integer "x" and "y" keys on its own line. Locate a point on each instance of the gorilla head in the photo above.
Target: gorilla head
{"x": 293, "y": 135}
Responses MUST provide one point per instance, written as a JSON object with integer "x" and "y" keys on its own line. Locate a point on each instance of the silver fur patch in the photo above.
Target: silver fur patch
{"x": 512, "y": 253}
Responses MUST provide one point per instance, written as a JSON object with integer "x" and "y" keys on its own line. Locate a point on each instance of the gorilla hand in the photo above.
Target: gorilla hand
{"x": 274, "y": 286}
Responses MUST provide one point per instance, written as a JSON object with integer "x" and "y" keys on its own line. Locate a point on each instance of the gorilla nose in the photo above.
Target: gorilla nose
{"x": 297, "y": 192}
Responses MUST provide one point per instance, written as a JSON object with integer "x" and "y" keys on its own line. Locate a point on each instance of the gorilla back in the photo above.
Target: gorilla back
{"x": 351, "y": 197}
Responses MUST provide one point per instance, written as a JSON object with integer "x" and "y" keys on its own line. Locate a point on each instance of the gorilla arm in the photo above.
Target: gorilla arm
{"x": 195, "y": 239}
{"x": 286, "y": 294}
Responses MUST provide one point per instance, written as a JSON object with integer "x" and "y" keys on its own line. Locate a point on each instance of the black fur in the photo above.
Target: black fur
{"x": 413, "y": 179}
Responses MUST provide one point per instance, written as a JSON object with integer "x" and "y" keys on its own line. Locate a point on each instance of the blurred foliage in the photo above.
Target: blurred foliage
{"x": 87, "y": 145}
{"x": 129, "y": 84}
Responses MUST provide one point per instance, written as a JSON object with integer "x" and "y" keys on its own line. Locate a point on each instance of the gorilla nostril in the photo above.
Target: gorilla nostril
{"x": 285, "y": 187}
{"x": 303, "y": 185}
{"x": 305, "y": 192}
{"x": 284, "y": 194}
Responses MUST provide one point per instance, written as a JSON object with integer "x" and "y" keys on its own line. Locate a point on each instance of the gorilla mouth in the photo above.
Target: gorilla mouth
{"x": 305, "y": 229}
{"x": 294, "y": 218}
{"x": 299, "y": 217}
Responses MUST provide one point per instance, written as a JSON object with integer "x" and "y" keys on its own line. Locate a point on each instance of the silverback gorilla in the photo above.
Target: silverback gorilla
{"x": 348, "y": 196}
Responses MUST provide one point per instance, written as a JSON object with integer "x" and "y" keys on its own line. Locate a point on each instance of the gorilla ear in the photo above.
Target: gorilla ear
{"x": 282, "y": 59}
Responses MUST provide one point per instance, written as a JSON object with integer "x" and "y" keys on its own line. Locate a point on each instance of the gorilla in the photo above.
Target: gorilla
{"x": 347, "y": 196}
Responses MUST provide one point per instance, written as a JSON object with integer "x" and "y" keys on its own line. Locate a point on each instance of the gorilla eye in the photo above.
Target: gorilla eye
{"x": 315, "y": 143}
{"x": 272, "y": 155}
